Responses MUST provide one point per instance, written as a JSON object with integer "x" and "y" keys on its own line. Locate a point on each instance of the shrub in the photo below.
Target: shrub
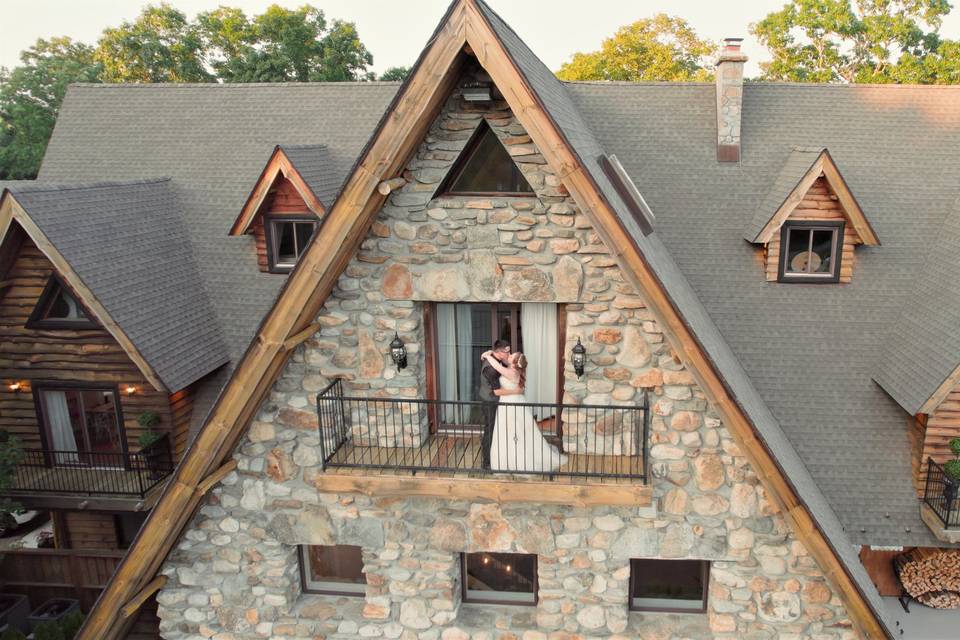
{"x": 952, "y": 469}
{"x": 148, "y": 419}
{"x": 71, "y": 624}
{"x": 13, "y": 634}
{"x": 955, "y": 447}
{"x": 48, "y": 631}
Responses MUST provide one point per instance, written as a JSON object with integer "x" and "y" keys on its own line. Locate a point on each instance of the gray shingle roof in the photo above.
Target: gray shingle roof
{"x": 798, "y": 162}
{"x": 922, "y": 347}
{"x": 320, "y": 168}
{"x": 127, "y": 243}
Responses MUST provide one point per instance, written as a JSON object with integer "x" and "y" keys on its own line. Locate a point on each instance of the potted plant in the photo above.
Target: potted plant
{"x": 951, "y": 475}
{"x": 146, "y": 440}
{"x": 14, "y": 609}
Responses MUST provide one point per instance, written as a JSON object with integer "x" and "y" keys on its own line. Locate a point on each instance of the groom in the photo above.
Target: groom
{"x": 489, "y": 384}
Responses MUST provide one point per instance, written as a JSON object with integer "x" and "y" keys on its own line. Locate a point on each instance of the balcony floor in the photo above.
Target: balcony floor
{"x": 458, "y": 456}
{"x": 85, "y": 480}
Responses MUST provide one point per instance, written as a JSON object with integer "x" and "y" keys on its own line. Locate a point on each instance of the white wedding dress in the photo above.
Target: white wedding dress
{"x": 518, "y": 444}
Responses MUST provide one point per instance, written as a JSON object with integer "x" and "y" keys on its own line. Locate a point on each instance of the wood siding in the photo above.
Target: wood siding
{"x": 282, "y": 199}
{"x": 819, "y": 203}
{"x": 90, "y": 530}
{"x": 71, "y": 356}
{"x": 941, "y": 426}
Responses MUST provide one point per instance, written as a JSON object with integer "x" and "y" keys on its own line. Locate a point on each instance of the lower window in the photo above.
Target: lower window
{"x": 336, "y": 570}
{"x": 669, "y": 585}
{"x": 499, "y": 578}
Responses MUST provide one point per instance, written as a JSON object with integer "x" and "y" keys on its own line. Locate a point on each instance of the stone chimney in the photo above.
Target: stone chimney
{"x": 729, "y": 99}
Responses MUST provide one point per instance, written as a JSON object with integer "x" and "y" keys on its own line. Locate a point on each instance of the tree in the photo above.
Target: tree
{"x": 395, "y": 74}
{"x": 658, "y": 48}
{"x": 161, "y": 45}
{"x": 282, "y": 45}
{"x": 30, "y": 97}
{"x": 868, "y": 41}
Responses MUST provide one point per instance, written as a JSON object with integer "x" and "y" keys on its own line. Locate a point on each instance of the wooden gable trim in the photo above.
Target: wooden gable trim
{"x": 13, "y": 214}
{"x": 826, "y": 167}
{"x": 278, "y": 165}
{"x": 401, "y": 129}
{"x": 938, "y": 396}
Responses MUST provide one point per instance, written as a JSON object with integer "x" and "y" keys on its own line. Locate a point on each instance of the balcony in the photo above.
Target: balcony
{"x": 72, "y": 479}
{"x": 442, "y": 441}
{"x": 940, "y": 509}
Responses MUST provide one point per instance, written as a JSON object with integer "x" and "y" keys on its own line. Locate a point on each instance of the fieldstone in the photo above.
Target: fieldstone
{"x": 592, "y": 617}
{"x": 314, "y": 525}
{"x": 371, "y": 360}
{"x": 710, "y": 504}
{"x": 567, "y": 279}
{"x": 489, "y": 530}
{"x": 816, "y": 592}
{"x": 607, "y": 336}
{"x": 648, "y": 379}
{"x": 635, "y": 351}
{"x": 676, "y": 502}
{"x": 743, "y": 500}
{"x": 778, "y": 606}
{"x": 363, "y": 532}
{"x": 560, "y": 246}
{"x": 484, "y": 275}
{"x": 443, "y": 285}
{"x": 404, "y": 230}
{"x": 740, "y": 538}
{"x": 530, "y": 284}
{"x": 253, "y": 497}
{"x": 666, "y": 452}
{"x": 280, "y": 467}
{"x": 708, "y": 472}
{"x": 261, "y": 432}
{"x": 397, "y": 282}
{"x": 678, "y": 539}
{"x": 448, "y": 535}
{"x": 610, "y": 522}
{"x": 414, "y": 614}
{"x": 685, "y": 421}
{"x": 634, "y": 542}
{"x": 304, "y": 420}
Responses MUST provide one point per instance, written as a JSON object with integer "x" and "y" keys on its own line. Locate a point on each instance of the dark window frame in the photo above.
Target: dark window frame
{"x": 499, "y": 601}
{"x": 36, "y": 319}
{"x": 305, "y": 587}
{"x": 38, "y": 386}
{"x": 466, "y": 155}
{"x": 705, "y": 579}
{"x": 271, "y": 240}
{"x": 837, "y": 227}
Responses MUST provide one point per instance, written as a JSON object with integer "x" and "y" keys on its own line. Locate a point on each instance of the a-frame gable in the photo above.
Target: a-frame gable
{"x": 278, "y": 166}
{"x": 291, "y": 320}
{"x": 768, "y": 220}
{"x": 14, "y": 217}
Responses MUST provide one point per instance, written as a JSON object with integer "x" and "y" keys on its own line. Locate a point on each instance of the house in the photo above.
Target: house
{"x": 735, "y": 301}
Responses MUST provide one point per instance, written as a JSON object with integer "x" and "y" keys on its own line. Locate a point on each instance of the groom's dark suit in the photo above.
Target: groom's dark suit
{"x": 490, "y": 382}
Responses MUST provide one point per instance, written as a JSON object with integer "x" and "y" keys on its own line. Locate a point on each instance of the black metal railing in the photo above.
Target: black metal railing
{"x": 482, "y": 438}
{"x": 940, "y": 494}
{"x": 94, "y": 472}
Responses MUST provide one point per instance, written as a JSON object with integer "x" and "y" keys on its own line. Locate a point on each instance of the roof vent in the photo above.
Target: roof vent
{"x": 629, "y": 193}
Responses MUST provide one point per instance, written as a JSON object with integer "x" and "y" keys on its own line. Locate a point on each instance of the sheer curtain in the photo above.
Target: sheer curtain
{"x": 539, "y": 326}
{"x": 455, "y": 355}
{"x": 57, "y": 415}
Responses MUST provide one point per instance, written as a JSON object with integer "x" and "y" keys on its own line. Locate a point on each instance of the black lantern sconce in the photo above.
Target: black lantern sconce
{"x": 398, "y": 352}
{"x": 579, "y": 358}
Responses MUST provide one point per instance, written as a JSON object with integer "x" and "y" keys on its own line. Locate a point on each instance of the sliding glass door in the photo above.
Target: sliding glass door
{"x": 82, "y": 426}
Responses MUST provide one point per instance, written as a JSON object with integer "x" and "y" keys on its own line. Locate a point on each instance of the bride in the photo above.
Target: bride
{"x": 518, "y": 444}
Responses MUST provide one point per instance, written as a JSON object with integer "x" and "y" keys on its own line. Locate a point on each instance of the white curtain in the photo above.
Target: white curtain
{"x": 57, "y": 415}
{"x": 455, "y": 356}
{"x": 539, "y": 323}
{"x": 465, "y": 351}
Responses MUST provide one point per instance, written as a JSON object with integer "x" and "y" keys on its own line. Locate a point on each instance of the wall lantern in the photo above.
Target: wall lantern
{"x": 398, "y": 352}
{"x": 477, "y": 92}
{"x": 130, "y": 389}
{"x": 579, "y": 358}
{"x": 15, "y": 387}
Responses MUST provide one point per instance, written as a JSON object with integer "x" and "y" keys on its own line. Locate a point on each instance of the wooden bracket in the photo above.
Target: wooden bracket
{"x": 300, "y": 336}
{"x": 137, "y": 601}
{"x": 385, "y": 187}
{"x": 215, "y": 477}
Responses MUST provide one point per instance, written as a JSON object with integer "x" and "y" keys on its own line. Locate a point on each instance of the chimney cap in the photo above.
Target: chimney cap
{"x": 730, "y": 52}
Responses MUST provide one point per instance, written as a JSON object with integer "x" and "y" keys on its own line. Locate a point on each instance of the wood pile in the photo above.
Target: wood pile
{"x": 932, "y": 577}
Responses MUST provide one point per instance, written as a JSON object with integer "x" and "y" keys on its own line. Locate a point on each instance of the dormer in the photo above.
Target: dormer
{"x": 287, "y": 203}
{"x": 809, "y": 222}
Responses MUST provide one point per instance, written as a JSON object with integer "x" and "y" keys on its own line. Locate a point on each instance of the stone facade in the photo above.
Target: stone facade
{"x": 729, "y": 80}
{"x": 235, "y": 573}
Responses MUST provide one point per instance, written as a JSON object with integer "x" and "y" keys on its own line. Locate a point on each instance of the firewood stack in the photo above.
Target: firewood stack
{"x": 932, "y": 577}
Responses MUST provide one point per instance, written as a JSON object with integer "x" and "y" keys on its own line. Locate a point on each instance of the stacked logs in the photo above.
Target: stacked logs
{"x": 932, "y": 577}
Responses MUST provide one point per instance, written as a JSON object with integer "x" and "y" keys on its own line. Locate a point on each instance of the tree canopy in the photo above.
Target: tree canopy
{"x": 878, "y": 41}
{"x": 659, "y": 48}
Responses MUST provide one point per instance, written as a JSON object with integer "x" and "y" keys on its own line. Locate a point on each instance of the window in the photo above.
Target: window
{"x": 484, "y": 167}
{"x": 810, "y": 251}
{"x": 287, "y": 239}
{"x": 669, "y": 585}
{"x": 336, "y": 570}
{"x": 499, "y": 578}
{"x": 81, "y": 425}
{"x": 58, "y": 308}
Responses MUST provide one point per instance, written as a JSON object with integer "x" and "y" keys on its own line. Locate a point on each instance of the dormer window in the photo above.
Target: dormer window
{"x": 287, "y": 239}
{"x": 485, "y": 168}
{"x": 812, "y": 251}
{"x": 57, "y": 308}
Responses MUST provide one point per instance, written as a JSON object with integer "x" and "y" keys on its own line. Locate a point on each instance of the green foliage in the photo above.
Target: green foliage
{"x": 282, "y": 45}
{"x": 13, "y": 634}
{"x": 952, "y": 469}
{"x": 161, "y": 45}
{"x": 49, "y": 630}
{"x": 148, "y": 419}
{"x": 954, "y": 445}
{"x": 659, "y": 48}
{"x": 71, "y": 624}
{"x": 879, "y": 41}
{"x": 11, "y": 454}
{"x": 30, "y": 97}
{"x": 148, "y": 438}
{"x": 395, "y": 74}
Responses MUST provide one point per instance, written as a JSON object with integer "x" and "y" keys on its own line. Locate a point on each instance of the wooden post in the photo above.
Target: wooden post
{"x": 385, "y": 187}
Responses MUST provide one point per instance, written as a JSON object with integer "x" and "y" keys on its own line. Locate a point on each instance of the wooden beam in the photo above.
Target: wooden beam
{"x": 300, "y": 336}
{"x": 578, "y": 495}
{"x": 210, "y": 481}
{"x": 791, "y": 202}
{"x": 137, "y": 601}
{"x": 385, "y": 187}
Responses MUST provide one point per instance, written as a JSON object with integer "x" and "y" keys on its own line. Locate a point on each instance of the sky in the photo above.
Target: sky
{"x": 395, "y": 32}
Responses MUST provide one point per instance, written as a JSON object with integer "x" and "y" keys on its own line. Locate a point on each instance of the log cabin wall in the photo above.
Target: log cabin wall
{"x": 282, "y": 199}
{"x": 85, "y": 355}
{"x": 89, "y": 530}
{"x": 941, "y": 426}
{"x": 819, "y": 203}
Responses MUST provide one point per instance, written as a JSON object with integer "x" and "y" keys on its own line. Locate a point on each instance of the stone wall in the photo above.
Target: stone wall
{"x": 235, "y": 573}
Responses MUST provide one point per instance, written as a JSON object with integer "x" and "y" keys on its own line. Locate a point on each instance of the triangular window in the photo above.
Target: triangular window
{"x": 484, "y": 167}
{"x": 58, "y": 308}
